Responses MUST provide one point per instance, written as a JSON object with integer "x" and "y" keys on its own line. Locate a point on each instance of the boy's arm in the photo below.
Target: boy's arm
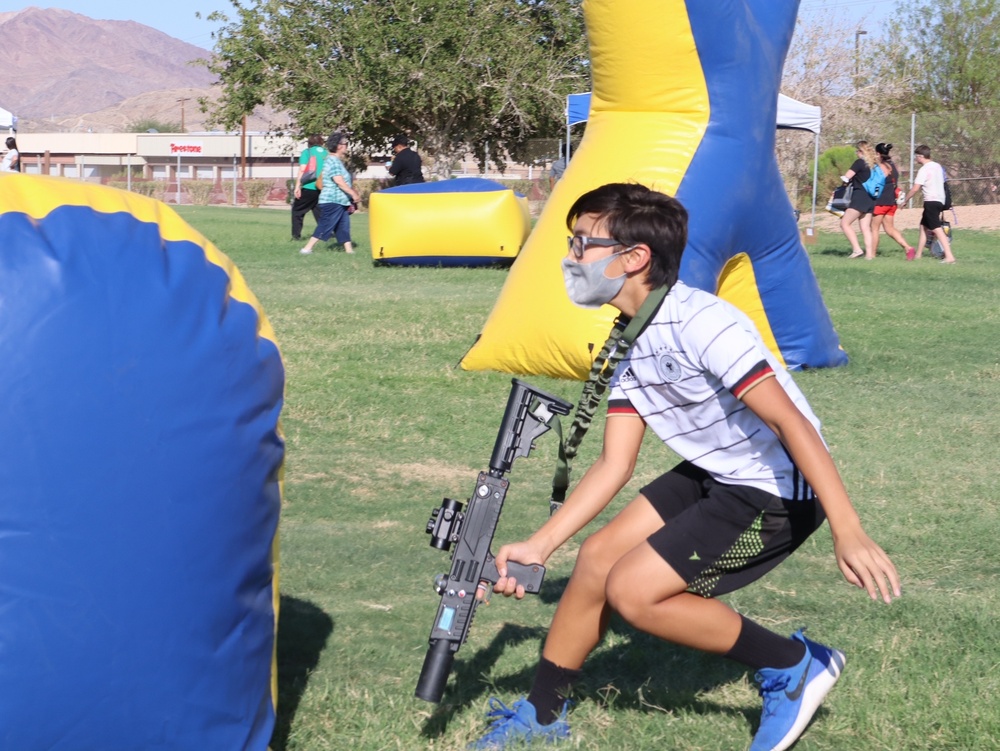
{"x": 912, "y": 192}
{"x": 861, "y": 560}
{"x": 599, "y": 485}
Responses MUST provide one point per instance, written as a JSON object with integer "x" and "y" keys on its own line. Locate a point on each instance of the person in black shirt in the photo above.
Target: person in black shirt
{"x": 862, "y": 204}
{"x": 406, "y": 164}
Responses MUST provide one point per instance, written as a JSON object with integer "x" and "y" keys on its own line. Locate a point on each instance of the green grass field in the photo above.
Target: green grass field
{"x": 381, "y": 424}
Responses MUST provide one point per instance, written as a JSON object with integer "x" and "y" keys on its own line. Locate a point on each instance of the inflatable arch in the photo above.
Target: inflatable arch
{"x": 684, "y": 101}
{"x": 468, "y": 221}
{"x": 140, "y": 462}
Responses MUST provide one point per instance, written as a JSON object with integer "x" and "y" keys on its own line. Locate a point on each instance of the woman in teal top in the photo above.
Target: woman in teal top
{"x": 336, "y": 196}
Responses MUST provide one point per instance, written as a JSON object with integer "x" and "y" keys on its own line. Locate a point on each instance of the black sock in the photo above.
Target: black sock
{"x": 551, "y": 689}
{"x": 756, "y": 647}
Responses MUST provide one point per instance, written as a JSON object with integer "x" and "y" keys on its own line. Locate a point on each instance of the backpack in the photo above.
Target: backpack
{"x": 309, "y": 176}
{"x": 875, "y": 182}
{"x": 947, "y": 190}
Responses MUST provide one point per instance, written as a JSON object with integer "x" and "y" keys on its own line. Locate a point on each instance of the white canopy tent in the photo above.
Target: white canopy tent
{"x": 7, "y": 119}
{"x": 791, "y": 115}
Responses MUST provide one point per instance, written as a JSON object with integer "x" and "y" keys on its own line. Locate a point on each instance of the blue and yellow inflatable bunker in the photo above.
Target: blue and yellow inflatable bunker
{"x": 468, "y": 221}
{"x": 684, "y": 101}
{"x": 140, "y": 462}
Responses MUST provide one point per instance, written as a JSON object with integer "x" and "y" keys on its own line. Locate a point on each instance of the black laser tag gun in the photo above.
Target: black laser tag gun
{"x": 529, "y": 414}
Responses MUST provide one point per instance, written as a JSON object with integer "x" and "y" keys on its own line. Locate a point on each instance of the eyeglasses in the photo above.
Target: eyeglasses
{"x": 578, "y": 244}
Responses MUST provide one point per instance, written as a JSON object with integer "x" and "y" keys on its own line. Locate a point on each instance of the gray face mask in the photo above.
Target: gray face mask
{"x": 586, "y": 284}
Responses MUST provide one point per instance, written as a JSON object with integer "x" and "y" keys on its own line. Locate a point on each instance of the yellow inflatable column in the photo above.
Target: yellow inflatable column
{"x": 649, "y": 111}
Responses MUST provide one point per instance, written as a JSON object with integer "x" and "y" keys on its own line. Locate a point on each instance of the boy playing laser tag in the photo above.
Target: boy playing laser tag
{"x": 755, "y": 481}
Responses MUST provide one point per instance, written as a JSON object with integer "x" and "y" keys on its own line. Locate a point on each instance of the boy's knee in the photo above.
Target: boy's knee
{"x": 594, "y": 560}
{"x": 624, "y": 595}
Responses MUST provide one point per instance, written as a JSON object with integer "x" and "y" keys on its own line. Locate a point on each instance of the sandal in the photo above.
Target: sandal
{"x": 856, "y": 255}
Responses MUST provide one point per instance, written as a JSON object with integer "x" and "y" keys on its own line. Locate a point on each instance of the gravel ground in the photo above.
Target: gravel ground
{"x": 969, "y": 217}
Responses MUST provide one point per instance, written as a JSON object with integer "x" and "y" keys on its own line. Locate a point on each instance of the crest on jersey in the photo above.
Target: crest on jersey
{"x": 668, "y": 366}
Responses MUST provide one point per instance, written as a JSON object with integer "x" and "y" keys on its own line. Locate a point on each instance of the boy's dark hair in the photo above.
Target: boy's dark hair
{"x": 635, "y": 214}
{"x": 315, "y": 140}
{"x": 924, "y": 151}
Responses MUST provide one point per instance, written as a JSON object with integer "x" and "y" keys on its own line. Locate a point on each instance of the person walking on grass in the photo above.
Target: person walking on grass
{"x": 755, "y": 480}
{"x": 930, "y": 180}
{"x": 885, "y": 204}
{"x": 335, "y": 198}
{"x": 862, "y": 204}
{"x": 306, "y": 192}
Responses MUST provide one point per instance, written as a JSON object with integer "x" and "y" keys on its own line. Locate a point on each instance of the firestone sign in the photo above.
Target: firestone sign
{"x": 186, "y": 147}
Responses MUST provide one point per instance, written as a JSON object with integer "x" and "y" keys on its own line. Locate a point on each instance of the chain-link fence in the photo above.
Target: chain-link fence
{"x": 966, "y": 143}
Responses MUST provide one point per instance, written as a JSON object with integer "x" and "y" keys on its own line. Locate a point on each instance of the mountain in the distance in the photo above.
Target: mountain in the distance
{"x": 60, "y": 64}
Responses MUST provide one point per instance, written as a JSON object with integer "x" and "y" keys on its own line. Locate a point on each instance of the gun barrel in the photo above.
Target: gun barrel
{"x": 434, "y": 673}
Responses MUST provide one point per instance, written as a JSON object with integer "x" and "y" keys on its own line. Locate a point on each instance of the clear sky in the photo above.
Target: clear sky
{"x": 173, "y": 17}
{"x": 863, "y": 12}
{"x": 177, "y": 17}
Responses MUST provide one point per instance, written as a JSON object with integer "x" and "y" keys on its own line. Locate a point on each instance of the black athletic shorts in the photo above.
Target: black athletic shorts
{"x": 720, "y": 538}
{"x": 931, "y": 218}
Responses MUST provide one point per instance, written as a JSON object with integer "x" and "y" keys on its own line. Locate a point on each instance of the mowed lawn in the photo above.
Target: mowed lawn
{"x": 381, "y": 424}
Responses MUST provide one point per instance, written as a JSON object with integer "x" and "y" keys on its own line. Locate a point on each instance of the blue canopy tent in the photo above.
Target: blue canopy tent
{"x": 791, "y": 115}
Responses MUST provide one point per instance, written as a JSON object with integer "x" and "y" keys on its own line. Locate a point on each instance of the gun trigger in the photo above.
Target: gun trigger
{"x": 487, "y": 593}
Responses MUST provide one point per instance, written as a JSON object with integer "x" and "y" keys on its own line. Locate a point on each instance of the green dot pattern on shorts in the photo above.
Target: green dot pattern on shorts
{"x": 748, "y": 546}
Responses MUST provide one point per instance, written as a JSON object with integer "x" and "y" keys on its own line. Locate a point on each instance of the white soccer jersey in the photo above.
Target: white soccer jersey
{"x": 684, "y": 376}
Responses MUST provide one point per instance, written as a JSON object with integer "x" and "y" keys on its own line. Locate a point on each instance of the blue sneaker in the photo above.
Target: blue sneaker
{"x": 519, "y": 725}
{"x": 792, "y": 696}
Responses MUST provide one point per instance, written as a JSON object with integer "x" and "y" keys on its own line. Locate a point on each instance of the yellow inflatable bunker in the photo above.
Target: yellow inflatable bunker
{"x": 467, "y": 221}
{"x": 684, "y": 101}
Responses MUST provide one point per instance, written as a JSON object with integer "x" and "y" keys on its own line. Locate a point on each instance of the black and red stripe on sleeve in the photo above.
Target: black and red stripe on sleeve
{"x": 756, "y": 374}
{"x": 621, "y": 407}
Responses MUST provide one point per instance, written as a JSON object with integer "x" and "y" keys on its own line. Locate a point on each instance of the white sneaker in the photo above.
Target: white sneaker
{"x": 306, "y": 251}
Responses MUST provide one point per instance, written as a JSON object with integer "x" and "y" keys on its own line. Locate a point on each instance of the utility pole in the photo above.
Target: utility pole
{"x": 243, "y": 150}
{"x": 182, "y": 100}
{"x": 857, "y": 54}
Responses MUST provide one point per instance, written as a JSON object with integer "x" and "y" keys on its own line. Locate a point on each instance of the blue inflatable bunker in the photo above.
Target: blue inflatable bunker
{"x": 140, "y": 463}
{"x": 468, "y": 221}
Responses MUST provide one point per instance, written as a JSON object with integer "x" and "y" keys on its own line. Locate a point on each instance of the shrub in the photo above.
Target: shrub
{"x": 256, "y": 192}
{"x": 149, "y": 188}
{"x": 200, "y": 191}
{"x": 518, "y": 186}
{"x": 833, "y": 163}
{"x": 369, "y": 185}
{"x": 123, "y": 175}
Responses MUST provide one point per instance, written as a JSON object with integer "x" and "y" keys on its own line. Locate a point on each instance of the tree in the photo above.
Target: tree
{"x": 476, "y": 76}
{"x": 149, "y": 123}
{"x": 951, "y": 52}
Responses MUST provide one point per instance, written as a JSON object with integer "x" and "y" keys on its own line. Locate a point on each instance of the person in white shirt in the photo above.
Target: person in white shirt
{"x": 930, "y": 179}
{"x": 755, "y": 480}
{"x": 11, "y": 161}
